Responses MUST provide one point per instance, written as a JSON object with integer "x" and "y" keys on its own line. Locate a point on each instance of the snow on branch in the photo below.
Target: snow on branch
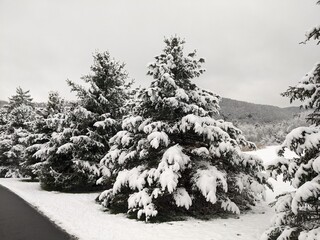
{"x": 302, "y": 139}
{"x": 131, "y": 123}
{"x": 135, "y": 178}
{"x": 308, "y": 190}
{"x": 173, "y": 161}
{"x": 122, "y": 138}
{"x": 156, "y": 138}
{"x": 208, "y": 180}
{"x": 105, "y": 123}
{"x": 182, "y": 198}
{"x": 65, "y": 148}
{"x": 143, "y": 201}
{"x": 230, "y": 206}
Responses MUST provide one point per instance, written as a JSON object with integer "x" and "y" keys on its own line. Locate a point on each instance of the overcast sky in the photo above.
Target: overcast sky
{"x": 251, "y": 47}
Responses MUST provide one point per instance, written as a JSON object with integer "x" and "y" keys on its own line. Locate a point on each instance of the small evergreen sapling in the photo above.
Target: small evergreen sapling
{"x": 171, "y": 155}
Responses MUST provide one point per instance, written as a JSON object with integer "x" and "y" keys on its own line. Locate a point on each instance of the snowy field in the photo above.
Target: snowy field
{"x": 80, "y": 216}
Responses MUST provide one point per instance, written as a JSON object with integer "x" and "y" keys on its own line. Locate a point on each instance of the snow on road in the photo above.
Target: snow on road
{"x": 79, "y": 215}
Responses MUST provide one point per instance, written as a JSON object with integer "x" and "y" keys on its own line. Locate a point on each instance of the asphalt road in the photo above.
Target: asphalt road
{"x": 19, "y": 221}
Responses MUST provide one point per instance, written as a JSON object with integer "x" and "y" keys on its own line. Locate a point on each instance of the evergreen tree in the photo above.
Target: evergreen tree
{"x": 17, "y": 122}
{"x": 21, "y": 98}
{"x": 298, "y": 212}
{"x": 12, "y": 148}
{"x": 55, "y": 104}
{"x": 81, "y": 140}
{"x": 42, "y": 128}
{"x": 108, "y": 88}
{"x": 171, "y": 155}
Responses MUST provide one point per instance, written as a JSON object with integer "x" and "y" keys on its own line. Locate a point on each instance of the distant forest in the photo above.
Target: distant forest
{"x": 243, "y": 112}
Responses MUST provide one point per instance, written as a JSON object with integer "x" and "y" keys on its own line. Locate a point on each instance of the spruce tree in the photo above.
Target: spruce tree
{"x": 81, "y": 139}
{"x": 12, "y": 147}
{"x": 55, "y": 103}
{"x": 298, "y": 212}
{"x": 171, "y": 155}
{"x": 17, "y": 119}
{"x": 21, "y": 98}
{"x": 42, "y": 128}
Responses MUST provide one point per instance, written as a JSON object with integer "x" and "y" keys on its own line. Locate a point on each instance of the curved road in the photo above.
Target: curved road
{"x": 19, "y": 221}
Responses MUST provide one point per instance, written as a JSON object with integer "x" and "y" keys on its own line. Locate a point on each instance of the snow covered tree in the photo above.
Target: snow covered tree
{"x": 172, "y": 156}
{"x": 12, "y": 148}
{"x": 81, "y": 140}
{"x": 21, "y": 117}
{"x": 21, "y": 98}
{"x": 42, "y": 128}
{"x": 298, "y": 212}
{"x": 58, "y": 169}
{"x": 17, "y": 121}
{"x": 108, "y": 88}
{"x": 55, "y": 103}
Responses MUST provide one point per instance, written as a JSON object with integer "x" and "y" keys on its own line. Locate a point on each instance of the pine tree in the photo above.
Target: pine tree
{"x": 81, "y": 140}
{"x": 108, "y": 88}
{"x": 21, "y": 98}
{"x": 298, "y": 212}
{"x": 17, "y": 122}
{"x": 40, "y": 134}
{"x": 55, "y": 103}
{"x": 12, "y": 148}
{"x": 171, "y": 156}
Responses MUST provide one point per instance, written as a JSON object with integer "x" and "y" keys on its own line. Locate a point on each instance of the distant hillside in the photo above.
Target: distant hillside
{"x": 244, "y": 112}
{"x": 233, "y": 110}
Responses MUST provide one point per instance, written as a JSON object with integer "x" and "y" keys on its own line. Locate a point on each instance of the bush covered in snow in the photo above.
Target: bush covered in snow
{"x": 298, "y": 212}
{"x": 171, "y": 155}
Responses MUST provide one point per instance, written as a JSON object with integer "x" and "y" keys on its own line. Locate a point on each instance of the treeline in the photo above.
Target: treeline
{"x": 251, "y": 113}
{"x": 267, "y": 134}
{"x": 156, "y": 151}
{"x": 159, "y": 152}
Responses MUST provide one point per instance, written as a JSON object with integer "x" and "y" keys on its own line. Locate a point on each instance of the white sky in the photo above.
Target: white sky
{"x": 251, "y": 47}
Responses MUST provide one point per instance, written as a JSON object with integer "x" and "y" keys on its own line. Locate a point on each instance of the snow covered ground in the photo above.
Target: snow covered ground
{"x": 268, "y": 154}
{"x": 80, "y": 216}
